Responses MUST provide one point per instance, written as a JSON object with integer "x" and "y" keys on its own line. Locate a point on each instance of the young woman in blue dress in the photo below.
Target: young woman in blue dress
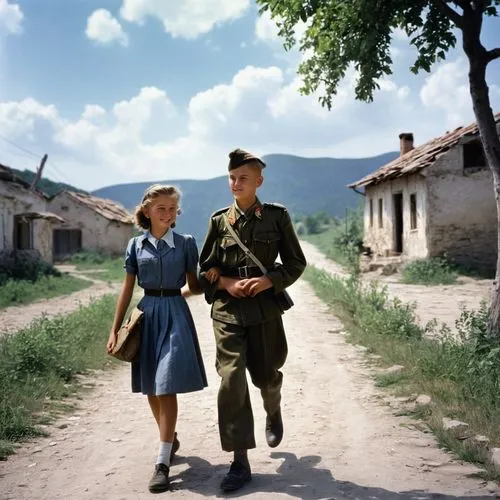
{"x": 170, "y": 360}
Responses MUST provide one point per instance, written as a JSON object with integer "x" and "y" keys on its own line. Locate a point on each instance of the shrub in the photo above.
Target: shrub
{"x": 24, "y": 266}
{"x": 434, "y": 271}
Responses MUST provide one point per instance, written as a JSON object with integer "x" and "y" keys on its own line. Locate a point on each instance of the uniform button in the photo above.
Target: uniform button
{"x": 246, "y": 241}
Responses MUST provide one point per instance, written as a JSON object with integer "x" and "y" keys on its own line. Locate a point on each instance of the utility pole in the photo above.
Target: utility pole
{"x": 39, "y": 171}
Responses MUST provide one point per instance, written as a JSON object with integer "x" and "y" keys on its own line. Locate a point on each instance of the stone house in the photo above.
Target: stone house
{"x": 25, "y": 222}
{"x": 433, "y": 200}
{"x": 91, "y": 223}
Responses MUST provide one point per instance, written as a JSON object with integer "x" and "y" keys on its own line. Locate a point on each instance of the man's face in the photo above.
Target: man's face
{"x": 244, "y": 181}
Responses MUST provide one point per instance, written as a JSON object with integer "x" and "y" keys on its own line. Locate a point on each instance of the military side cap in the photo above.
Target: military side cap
{"x": 239, "y": 157}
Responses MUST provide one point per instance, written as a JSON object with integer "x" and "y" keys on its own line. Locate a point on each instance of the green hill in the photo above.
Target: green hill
{"x": 304, "y": 185}
{"x": 46, "y": 186}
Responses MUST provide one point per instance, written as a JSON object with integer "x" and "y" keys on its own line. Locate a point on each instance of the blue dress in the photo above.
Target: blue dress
{"x": 170, "y": 359}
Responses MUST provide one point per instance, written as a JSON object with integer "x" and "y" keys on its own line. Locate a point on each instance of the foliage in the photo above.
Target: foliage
{"x": 24, "y": 266}
{"x": 40, "y": 364}
{"x": 459, "y": 369}
{"x": 15, "y": 292}
{"x": 46, "y": 186}
{"x": 340, "y": 34}
{"x": 434, "y": 271}
{"x": 340, "y": 239}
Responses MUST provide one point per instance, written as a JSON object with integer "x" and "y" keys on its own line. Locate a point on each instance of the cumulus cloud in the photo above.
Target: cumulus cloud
{"x": 103, "y": 28}
{"x": 11, "y": 17}
{"x": 187, "y": 18}
{"x": 260, "y": 108}
{"x": 447, "y": 90}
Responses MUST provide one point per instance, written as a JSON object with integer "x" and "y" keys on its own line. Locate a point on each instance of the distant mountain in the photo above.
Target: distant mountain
{"x": 304, "y": 185}
{"x": 46, "y": 186}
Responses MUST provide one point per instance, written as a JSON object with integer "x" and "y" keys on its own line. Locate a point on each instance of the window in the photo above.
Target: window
{"x": 413, "y": 211}
{"x": 371, "y": 212}
{"x": 473, "y": 153}
{"x": 380, "y": 212}
{"x": 24, "y": 233}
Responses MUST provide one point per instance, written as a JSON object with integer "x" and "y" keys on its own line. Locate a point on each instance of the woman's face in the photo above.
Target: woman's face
{"x": 162, "y": 212}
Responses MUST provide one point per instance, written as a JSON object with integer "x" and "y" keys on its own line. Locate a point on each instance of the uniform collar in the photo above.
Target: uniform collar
{"x": 168, "y": 238}
{"x": 235, "y": 212}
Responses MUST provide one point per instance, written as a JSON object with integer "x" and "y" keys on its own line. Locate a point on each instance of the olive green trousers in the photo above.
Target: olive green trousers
{"x": 262, "y": 349}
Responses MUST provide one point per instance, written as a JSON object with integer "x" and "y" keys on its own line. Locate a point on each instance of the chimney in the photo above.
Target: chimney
{"x": 405, "y": 142}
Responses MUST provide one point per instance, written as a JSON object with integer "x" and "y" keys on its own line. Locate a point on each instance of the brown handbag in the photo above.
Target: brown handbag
{"x": 128, "y": 338}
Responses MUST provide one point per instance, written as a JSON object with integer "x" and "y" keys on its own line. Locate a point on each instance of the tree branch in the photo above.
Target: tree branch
{"x": 443, "y": 6}
{"x": 493, "y": 54}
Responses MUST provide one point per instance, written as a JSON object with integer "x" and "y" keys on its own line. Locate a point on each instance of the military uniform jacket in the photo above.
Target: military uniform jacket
{"x": 267, "y": 230}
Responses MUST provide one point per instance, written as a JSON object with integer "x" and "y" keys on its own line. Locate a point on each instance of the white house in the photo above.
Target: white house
{"x": 91, "y": 223}
{"x": 433, "y": 200}
{"x": 25, "y": 223}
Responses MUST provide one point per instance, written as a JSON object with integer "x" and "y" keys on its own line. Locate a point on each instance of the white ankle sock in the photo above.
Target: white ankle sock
{"x": 164, "y": 453}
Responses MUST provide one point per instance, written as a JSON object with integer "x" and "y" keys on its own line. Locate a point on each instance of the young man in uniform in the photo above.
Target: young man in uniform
{"x": 247, "y": 308}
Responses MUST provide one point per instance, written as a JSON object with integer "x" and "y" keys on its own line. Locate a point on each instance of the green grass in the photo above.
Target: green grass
{"x": 39, "y": 368}
{"x": 435, "y": 271}
{"x": 461, "y": 373}
{"x": 99, "y": 266}
{"x": 15, "y": 292}
{"x": 325, "y": 243}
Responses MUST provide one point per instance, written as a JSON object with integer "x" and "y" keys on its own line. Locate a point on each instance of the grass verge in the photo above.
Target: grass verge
{"x": 15, "y": 292}
{"x": 39, "y": 368}
{"x": 435, "y": 271}
{"x": 325, "y": 242}
{"x": 99, "y": 266}
{"x": 460, "y": 372}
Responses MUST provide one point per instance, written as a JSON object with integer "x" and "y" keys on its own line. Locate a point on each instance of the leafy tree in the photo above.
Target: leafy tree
{"x": 341, "y": 33}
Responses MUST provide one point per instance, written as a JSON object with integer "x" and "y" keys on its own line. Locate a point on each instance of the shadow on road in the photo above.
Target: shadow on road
{"x": 296, "y": 477}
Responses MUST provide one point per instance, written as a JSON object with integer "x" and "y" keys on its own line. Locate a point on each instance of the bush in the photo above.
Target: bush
{"x": 24, "y": 266}
{"x": 434, "y": 271}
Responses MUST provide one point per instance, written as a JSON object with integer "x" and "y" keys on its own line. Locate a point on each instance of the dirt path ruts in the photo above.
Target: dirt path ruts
{"x": 340, "y": 441}
{"x": 14, "y": 318}
{"x": 443, "y": 302}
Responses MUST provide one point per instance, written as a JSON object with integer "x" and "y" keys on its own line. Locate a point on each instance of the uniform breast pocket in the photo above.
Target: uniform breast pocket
{"x": 148, "y": 270}
{"x": 267, "y": 245}
{"x": 229, "y": 252}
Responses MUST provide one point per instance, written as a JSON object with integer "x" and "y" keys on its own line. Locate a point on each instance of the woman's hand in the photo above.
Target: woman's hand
{"x": 111, "y": 341}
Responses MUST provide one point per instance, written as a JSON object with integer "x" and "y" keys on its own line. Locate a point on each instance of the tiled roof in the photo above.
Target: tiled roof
{"x": 107, "y": 208}
{"x": 420, "y": 157}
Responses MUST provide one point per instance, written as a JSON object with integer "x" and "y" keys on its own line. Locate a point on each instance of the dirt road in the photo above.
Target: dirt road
{"x": 443, "y": 302}
{"x": 14, "y": 318}
{"x": 340, "y": 441}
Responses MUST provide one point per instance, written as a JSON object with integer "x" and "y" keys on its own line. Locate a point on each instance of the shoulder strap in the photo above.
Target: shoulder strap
{"x": 245, "y": 249}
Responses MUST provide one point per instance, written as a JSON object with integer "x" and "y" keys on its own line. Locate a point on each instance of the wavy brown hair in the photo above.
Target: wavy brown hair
{"x": 150, "y": 194}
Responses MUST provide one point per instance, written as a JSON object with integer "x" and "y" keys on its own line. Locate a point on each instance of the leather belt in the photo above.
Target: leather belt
{"x": 243, "y": 272}
{"x": 162, "y": 293}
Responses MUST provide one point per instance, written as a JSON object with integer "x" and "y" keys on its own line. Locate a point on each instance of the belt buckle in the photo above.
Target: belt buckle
{"x": 243, "y": 272}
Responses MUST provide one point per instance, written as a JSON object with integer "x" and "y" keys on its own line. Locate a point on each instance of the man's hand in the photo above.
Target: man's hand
{"x": 233, "y": 286}
{"x": 254, "y": 286}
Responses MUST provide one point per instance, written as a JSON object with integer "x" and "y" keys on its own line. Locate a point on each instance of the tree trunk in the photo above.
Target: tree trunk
{"x": 485, "y": 118}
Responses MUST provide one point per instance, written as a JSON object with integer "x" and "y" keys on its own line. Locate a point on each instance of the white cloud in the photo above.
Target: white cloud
{"x": 447, "y": 89}
{"x": 187, "y": 18}
{"x": 266, "y": 29}
{"x": 18, "y": 119}
{"x": 103, "y": 28}
{"x": 145, "y": 137}
{"x": 11, "y": 17}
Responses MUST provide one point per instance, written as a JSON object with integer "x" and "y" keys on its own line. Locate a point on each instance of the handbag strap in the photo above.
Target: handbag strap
{"x": 245, "y": 249}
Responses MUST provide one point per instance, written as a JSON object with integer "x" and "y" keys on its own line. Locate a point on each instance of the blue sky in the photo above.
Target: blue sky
{"x": 126, "y": 90}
